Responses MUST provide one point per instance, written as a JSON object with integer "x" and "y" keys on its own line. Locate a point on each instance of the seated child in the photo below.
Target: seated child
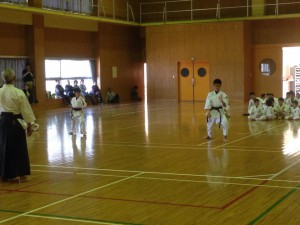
{"x": 255, "y": 110}
{"x": 268, "y": 111}
{"x": 295, "y": 111}
{"x": 281, "y": 109}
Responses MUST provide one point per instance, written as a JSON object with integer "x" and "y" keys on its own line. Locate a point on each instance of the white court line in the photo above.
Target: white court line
{"x": 186, "y": 180}
{"x": 69, "y": 198}
{"x": 221, "y": 182}
{"x": 230, "y": 142}
{"x": 284, "y": 169}
{"x": 75, "y": 173}
{"x": 160, "y": 173}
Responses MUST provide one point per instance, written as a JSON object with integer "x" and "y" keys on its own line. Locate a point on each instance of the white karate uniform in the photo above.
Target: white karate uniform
{"x": 268, "y": 113}
{"x": 78, "y": 103}
{"x": 255, "y": 112}
{"x": 295, "y": 114}
{"x": 213, "y": 100}
{"x": 282, "y": 111}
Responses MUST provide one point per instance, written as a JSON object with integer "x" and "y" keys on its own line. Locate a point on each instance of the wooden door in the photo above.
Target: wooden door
{"x": 201, "y": 80}
{"x": 193, "y": 80}
{"x": 185, "y": 82}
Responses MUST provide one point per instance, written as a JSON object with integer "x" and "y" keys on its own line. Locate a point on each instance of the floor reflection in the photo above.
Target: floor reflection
{"x": 218, "y": 162}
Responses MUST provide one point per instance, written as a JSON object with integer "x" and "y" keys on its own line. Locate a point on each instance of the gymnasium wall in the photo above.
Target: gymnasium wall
{"x": 269, "y": 36}
{"x": 109, "y": 44}
{"x": 222, "y": 44}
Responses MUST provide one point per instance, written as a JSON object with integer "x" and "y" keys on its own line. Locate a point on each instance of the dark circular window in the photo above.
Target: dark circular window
{"x": 267, "y": 67}
{"x": 202, "y": 72}
{"x": 185, "y": 72}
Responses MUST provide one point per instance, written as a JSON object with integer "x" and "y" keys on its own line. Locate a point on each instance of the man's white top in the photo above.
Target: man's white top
{"x": 15, "y": 101}
{"x": 213, "y": 100}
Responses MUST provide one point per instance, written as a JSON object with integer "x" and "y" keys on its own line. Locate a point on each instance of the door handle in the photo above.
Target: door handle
{"x": 193, "y": 81}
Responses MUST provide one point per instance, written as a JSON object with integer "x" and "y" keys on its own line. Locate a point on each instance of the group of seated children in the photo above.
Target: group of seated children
{"x": 94, "y": 95}
{"x": 267, "y": 107}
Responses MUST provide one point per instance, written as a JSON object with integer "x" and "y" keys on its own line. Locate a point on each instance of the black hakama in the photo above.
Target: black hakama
{"x": 14, "y": 159}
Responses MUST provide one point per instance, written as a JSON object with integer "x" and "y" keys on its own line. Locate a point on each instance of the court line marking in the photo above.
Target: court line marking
{"x": 239, "y": 139}
{"x": 225, "y": 177}
{"x": 72, "y": 197}
{"x": 231, "y": 148}
{"x": 151, "y": 172}
{"x": 264, "y": 213}
{"x": 68, "y": 218}
{"x": 62, "y": 218}
{"x": 199, "y": 181}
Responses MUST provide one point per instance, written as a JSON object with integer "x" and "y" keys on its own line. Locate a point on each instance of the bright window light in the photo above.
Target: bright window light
{"x": 52, "y": 68}
{"x": 67, "y": 69}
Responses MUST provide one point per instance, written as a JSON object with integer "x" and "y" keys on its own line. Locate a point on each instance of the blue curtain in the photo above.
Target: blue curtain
{"x": 20, "y": 2}
{"x": 17, "y": 65}
{"x": 76, "y": 6}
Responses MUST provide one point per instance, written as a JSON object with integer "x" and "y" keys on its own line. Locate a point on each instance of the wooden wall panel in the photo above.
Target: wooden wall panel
{"x": 219, "y": 43}
{"x": 69, "y": 43}
{"x": 124, "y": 52}
{"x": 268, "y": 84}
{"x": 64, "y": 22}
{"x": 13, "y": 39}
{"x": 277, "y": 31}
{"x": 269, "y": 36}
{"x": 15, "y": 16}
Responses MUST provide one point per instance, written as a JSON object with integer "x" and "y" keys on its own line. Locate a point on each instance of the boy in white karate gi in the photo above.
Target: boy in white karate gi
{"x": 281, "y": 110}
{"x": 78, "y": 103}
{"x": 268, "y": 111}
{"x": 295, "y": 111}
{"x": 215, "y": 105}
{"x": 255, "y": 111}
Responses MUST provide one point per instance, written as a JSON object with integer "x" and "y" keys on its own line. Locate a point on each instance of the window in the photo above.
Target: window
{"x": 75, "y": 6}
{"x": 66, "y": 69}
{"x": 19, "y": 2}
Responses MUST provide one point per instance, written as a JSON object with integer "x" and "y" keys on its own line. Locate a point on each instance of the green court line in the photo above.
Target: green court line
{"x": 263, "y": 214}
{"x": 41, "y": 215}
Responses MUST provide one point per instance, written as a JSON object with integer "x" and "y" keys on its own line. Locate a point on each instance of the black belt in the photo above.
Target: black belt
{"x": 76, "y": 109}
{"x": 217, "y": 109}
{"x": 11, "y": 115}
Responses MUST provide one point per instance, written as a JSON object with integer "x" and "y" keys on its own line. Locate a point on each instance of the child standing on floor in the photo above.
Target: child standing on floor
{"x": 215, "y": 105}
{"x": 78, "y": 103}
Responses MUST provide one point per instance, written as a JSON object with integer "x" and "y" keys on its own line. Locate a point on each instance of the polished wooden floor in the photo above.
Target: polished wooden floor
{"x": 150, "y": 165}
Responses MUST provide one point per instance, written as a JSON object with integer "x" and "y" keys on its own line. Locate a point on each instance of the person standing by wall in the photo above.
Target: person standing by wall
{"x": 15, "y": 122}
{"x": 28, "y": 78}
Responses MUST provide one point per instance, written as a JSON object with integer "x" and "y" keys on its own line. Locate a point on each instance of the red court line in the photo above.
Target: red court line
{"x": 243, "y": 195}
{"x": 117, "y": 199}
{"x": 146, "y": 202}
{"x": 153, "y": 202}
